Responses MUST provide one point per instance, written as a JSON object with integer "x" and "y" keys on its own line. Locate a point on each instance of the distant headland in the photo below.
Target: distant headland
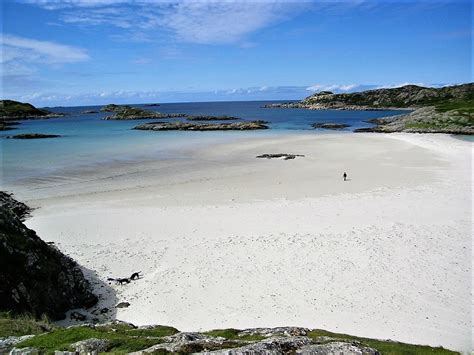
{"x": 445, "y": 110}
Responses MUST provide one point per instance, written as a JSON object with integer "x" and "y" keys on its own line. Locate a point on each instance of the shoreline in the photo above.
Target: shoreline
{"x": 211, "y": 233}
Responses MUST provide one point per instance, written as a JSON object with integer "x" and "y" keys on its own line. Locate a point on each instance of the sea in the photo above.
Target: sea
{"x": 87, "y": 140}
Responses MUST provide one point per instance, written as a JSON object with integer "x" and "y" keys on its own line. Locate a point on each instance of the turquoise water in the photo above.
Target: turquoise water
{"x": 465, "y": 138}
{"x": 87, "y": 140}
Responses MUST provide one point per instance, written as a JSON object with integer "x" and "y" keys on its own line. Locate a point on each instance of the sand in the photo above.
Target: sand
{"x": 227, "y": 240}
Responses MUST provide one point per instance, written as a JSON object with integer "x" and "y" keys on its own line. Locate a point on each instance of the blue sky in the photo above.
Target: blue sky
{"x": 79, "y": 52}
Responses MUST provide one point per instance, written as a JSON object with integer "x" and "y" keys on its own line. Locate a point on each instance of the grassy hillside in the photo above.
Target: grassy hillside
{"x": 123, "y": 338}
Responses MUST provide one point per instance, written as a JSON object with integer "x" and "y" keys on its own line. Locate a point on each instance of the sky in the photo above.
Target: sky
{"x": 92, "y": 52}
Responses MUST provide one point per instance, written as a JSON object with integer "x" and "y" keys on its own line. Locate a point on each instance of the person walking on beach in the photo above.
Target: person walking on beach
{"x": 344, "y": 176}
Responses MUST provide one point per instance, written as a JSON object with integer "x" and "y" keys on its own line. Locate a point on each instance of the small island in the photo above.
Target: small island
{"x": 15, "y": 110}
{"x": 33, "y": 136}
{"x": 186, "y": 126}
{"x": 88, "y": 112}
{"x": 210, "y": 118}
{"x": 134, "y": 113}
{"x": 330, "y": 125}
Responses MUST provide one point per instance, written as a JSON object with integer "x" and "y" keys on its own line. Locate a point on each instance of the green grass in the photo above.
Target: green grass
{"x": 123, "y": 338}
{"x": 159, "y": 331}
{"x": 232, "y": 334}
{"x": 22, "y": 325}
{"x": 466, "y": 106}
{"x": 384, "y": 346}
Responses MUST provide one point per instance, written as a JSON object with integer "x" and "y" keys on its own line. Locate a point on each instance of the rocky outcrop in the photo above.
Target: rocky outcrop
{"x": 18, "y": 208}
{"x": 134, "y": 113}
{"x": 186, "y": 126}
{"x": 9, "y": 342}
{"x": 112, "y": 108}
{"x": 425, "y": 120}
{"x": 330, "y": 125}
{"x": 88, "y": 112}
{"x": 289, "y": 340}
{"x": 33, "y": 136}
{"x": 190, "y": 343}
{"x": 285, "y": 156}
{"x": 36, "y": 278}
{"x": 408, "y": 96}
{"x": 14, "y": 110}
{"x": 91, "y": 345}
{"x": 210, "y": 118}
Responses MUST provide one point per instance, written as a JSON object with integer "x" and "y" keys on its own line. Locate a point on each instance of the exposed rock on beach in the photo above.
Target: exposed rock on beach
{"x": 285, "y": 156}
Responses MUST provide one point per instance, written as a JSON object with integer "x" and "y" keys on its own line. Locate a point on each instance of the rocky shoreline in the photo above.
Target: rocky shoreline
{"x": 423, "y": 120}
{"x": 444, "y": 110}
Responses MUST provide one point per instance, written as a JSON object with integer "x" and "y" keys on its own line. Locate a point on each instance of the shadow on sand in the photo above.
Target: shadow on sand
{"x": 103, "y": 311}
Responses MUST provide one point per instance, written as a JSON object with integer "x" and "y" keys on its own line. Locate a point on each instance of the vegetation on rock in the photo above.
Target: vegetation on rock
{"x": 134, "y": 113}
{"x": 14, "y": 110}
{"x": 120, "y": 337}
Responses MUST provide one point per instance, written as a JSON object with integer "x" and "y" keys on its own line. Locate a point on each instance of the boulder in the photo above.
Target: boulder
{"x": 92, "y": 345}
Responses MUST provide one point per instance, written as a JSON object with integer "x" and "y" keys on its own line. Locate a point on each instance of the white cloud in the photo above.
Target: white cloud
{"x": 225, "y": 21}
{"x": 337, "y": 88}
{"x": 15, "y": 48}
{"x": 203, "y": 21}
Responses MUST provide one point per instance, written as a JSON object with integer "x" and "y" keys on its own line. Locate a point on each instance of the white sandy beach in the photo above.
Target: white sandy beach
{"x": 227, "y": 240}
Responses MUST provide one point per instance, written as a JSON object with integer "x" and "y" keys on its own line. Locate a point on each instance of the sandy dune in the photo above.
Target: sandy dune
{"x": 227, "y": 240}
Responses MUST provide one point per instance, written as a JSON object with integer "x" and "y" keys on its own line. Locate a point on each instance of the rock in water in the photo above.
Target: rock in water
{"x": 35, "y": 277}
{"x": 330, "y": 125}
{"x": 33, "y": 136}
{"x": 186, "y": 126}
